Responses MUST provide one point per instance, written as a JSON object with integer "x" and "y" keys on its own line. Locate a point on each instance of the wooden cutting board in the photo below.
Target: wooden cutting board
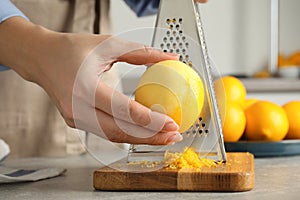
{"x": 237, "y": 174}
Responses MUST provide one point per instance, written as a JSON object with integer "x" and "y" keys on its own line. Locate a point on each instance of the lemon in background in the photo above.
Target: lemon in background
{"x": 231, "y": 95}
{"x": 173, "y": 88}
{"x": 292, "y": 110}
{"x": 281, "y": 60}
{"x": 234, "y": 122}
{"x": 265, "y": 121}
{"x": 233, "y": 89}
{"x": 249, "y": 102}
{"x": 294, "y": 59}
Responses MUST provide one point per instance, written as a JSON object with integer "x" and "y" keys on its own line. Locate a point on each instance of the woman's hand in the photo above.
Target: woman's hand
{"x": 68, "y": 67}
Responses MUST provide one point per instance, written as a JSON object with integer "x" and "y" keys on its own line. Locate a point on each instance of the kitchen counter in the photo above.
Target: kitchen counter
{"x": 276, "y": 178}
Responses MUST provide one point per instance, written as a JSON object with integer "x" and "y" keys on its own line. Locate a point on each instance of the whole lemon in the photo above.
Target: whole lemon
{"x": 173, "y": 88}
{"x": 265, "y": 121}
{"x": 294, "y": 59}
{"x": 249, "y": 102}
{"x": 234, "y": 122}
{"x": 231, "y": 88}
{"x": 281, "y": 60}
{"x": 292, "y": 110}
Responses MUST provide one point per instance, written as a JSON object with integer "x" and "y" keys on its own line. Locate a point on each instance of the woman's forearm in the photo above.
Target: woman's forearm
{"x": 20, "y": 43}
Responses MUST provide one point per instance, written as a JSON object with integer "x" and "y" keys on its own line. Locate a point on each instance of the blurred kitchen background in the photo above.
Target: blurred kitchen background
{"x": 238, "y": 35}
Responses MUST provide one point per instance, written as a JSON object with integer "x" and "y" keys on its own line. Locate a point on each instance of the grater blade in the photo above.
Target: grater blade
{"x": 179, "y": 30}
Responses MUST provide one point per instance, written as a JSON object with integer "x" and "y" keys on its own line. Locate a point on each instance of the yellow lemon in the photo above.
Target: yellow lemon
{"x": 173, "y": 88}
{"x": 233, "y": 89}
{"x": 262, "y": 74}
{"x": 234, "y": 122}
{"x": 249, "y": 102}
{"x": 265, "y": 121}
{"x": 281, "y": 60}
{"x": 294, "y": 59}
{"x": 292, "y": 110}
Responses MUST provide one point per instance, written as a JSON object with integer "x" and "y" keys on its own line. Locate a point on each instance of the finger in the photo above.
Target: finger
{"x": 121, "y": 107}
{"x": 107, "y": 127}
{"x": 146, "y": 55}
{"x": 124, "y": 132}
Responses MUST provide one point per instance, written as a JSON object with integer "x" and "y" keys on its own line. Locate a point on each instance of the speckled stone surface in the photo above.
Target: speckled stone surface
{"x": 276, "y": 178}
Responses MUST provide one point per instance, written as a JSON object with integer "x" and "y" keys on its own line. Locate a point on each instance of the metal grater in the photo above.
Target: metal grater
{"x": 179, "y": 30}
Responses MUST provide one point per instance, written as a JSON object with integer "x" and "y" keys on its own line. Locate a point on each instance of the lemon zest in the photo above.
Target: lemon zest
{"x": 188, "y": 159}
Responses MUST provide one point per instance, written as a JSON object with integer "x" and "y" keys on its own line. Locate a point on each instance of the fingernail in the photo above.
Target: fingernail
{"x": 175, "y": 138}
{"x": 170, "y": 126}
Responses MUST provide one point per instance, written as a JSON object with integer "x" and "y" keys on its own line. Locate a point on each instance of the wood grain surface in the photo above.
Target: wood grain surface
{"x": 237, "y": 174}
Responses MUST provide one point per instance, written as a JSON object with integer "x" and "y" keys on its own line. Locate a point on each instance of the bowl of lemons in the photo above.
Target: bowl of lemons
{"x": 289, "y": 66}
{"x": 258, "y": 126}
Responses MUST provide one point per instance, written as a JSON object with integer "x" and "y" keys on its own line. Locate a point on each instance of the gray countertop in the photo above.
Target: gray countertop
{"x": 276, "y": 178}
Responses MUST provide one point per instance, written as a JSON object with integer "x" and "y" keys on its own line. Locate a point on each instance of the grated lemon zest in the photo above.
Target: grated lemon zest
{"x": 188, "y": 159}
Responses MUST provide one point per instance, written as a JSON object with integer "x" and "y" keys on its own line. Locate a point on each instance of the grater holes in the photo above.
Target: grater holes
{"x": 180, "y": 58}
{"x": 173, "y": 20}
{"x": 175, "y": 40}
{"x": 165, "y": 50}
{"x": 201, "y": 131}
{"x": 162, "y": 45}
{"x": 170, "y": 20}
